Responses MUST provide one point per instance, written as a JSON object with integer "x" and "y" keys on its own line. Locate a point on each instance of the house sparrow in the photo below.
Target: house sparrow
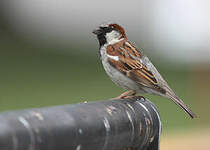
{"x": 129, "y": 68}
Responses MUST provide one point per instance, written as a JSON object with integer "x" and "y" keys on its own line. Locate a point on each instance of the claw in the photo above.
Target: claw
{"x": 127, "y": 94}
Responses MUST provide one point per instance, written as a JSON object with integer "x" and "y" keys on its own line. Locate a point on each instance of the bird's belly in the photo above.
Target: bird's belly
{"x": 120, "y": 79}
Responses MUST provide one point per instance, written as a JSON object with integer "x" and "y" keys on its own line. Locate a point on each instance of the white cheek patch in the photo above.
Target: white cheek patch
{"x": 113, "y": 57}
{"x": 113, "y": 37}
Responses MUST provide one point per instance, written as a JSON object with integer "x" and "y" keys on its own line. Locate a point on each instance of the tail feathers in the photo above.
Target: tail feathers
{"x": 180, "y": 103}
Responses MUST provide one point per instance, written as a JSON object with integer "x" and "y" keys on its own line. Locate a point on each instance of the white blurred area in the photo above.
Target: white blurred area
{"x": 178, "y": 30}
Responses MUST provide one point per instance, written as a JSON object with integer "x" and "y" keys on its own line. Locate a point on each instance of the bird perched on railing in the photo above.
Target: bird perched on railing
{"x": 129, "y": 68}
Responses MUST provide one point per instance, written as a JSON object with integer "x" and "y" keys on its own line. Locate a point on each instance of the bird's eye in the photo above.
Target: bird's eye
{"x": 103, "y": 28}
{"x": 106, "y": 29}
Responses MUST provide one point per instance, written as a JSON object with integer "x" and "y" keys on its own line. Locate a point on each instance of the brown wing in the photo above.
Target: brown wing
{"x": 130, "y": 65}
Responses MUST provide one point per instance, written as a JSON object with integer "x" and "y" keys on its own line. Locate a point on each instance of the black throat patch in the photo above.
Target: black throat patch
{"x": 101, "y": 39}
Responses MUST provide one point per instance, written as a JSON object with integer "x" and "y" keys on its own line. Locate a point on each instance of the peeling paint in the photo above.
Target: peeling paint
{"x": 109, "y": 110}
{"x": 38, "y": 115}
{"x": 151, "y": 139}
{"x": 130, "y": 107}
{"x": 106, "y": 124}
{"x": 78, "y": 147}
{"x": 132, "y": 125}
{"x": 143, "y": 106}
{"x": 80, "y": 131}
{"x": 24, "y": 122}
{"x": 140, "y": 128}
{"x": 108, "y": 129}
{"x": 28, "y": 127}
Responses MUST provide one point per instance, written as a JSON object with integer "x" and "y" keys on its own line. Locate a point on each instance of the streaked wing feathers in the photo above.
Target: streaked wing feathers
{"x": 129, "y": 63}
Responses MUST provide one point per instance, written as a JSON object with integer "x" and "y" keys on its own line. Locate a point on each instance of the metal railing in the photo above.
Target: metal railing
{"x": 104, "y": 125}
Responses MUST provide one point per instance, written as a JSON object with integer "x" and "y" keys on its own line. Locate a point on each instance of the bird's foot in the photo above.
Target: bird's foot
{"x": 127, "y": 94}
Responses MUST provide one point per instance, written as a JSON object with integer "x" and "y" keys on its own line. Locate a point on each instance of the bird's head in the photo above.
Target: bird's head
{"x": 109, "y": 33}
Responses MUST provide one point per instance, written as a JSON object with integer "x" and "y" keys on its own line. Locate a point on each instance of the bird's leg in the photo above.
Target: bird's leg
{"x": 127, "y": 94}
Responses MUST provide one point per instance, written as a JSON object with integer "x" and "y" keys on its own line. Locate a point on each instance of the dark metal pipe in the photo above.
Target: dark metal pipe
{"x": 104, "y": 125}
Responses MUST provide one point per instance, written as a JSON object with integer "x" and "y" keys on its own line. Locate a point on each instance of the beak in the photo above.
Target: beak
{"x": 97, "y": 31}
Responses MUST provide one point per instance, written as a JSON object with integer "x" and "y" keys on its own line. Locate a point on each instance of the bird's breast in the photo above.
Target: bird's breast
{"x": 116, "y": 76}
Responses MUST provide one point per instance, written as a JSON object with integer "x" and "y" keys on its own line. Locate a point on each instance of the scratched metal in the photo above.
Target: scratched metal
{"x": 132, "y": 124}
{"x": 26, "y": 124}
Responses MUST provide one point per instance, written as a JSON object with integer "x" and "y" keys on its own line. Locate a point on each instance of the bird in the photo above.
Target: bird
{"x": 129, "y": 68}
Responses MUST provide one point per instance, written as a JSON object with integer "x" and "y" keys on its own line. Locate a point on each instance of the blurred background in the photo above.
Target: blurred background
{"x": 48, "y": 56}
